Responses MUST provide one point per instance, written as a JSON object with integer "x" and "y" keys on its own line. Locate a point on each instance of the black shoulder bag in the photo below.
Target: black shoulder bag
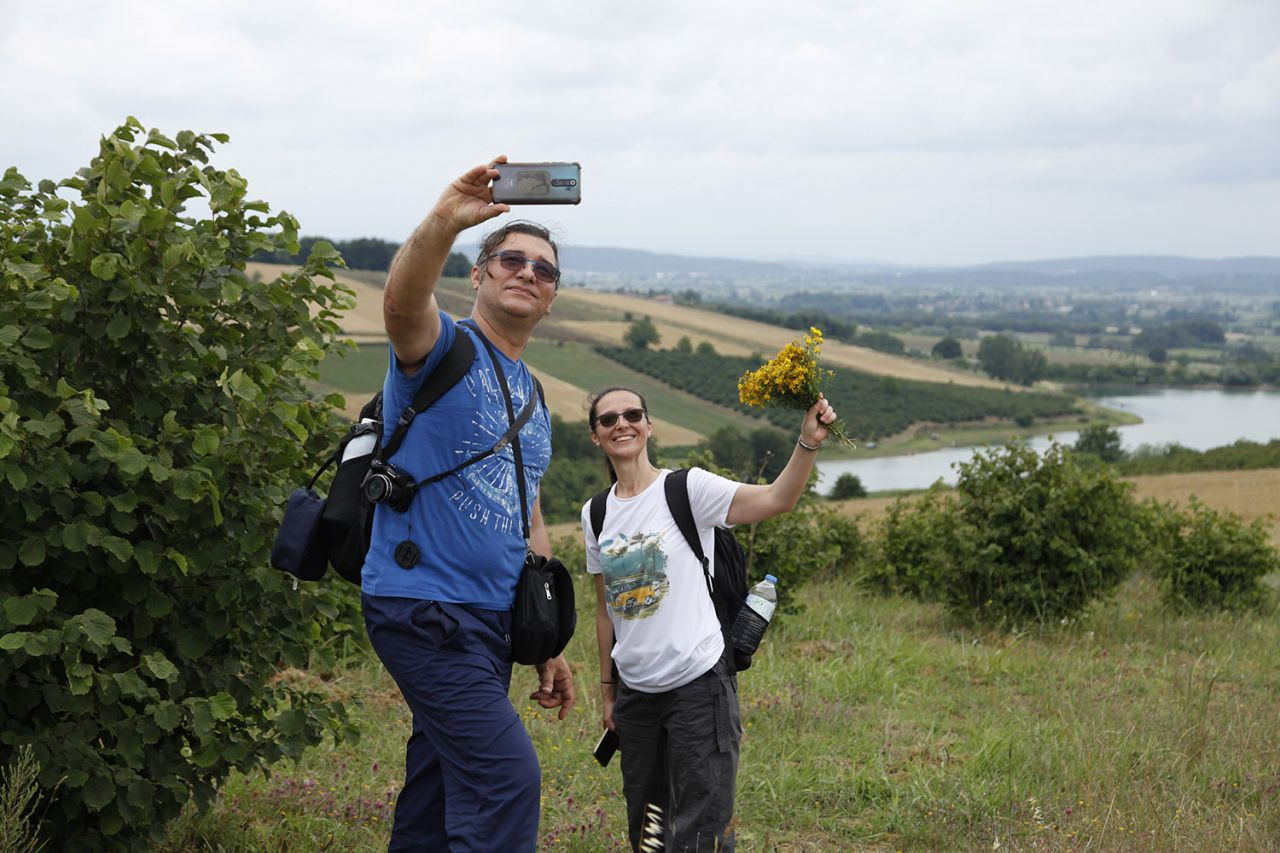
{"x": 544, "y": 614}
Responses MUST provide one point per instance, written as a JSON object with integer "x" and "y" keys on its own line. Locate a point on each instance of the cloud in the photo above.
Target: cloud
{"x": 733, "y": 127}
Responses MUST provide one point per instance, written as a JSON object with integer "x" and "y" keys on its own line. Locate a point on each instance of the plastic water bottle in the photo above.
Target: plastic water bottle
{"x": 753, "y": 618}
{"x": 361, "y": 445}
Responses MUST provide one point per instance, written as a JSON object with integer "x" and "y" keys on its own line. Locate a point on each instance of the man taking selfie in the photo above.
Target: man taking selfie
{"x": 439, "y": 578}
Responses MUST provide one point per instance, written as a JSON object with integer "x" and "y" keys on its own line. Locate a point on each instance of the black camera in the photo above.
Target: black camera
{"x": 387, "y": 484}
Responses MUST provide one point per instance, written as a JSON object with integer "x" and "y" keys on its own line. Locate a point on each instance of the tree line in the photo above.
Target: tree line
{"x": 362, "y": 253}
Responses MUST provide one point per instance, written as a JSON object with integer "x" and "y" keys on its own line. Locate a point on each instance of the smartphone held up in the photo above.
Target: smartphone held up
{"x": 538, "y": 183}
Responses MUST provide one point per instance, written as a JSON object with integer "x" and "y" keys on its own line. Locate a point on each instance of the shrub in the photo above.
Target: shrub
{"x": 1102, "y": 441}
{"x": 919, "y": 547}
{"x": 1040, "y": 536}
{"x": 947, "y": 347}
{"x": 153, "y": 418}
{"x": 1212, "y": 560}
{"x": 810, "y": 541}
{"x": 847, "y": 486}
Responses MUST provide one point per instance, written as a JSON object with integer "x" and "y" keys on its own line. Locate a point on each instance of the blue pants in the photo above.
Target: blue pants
{"x": 471, "y": 774}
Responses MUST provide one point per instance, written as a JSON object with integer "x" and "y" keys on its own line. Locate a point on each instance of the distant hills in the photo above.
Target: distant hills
{"x": 614, "y": 268}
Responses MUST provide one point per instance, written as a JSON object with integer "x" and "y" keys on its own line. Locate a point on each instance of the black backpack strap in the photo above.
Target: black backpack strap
{"x": 677, "y": 491}
{"x": 597, "y": 512}
{"x": 455, "y": 364}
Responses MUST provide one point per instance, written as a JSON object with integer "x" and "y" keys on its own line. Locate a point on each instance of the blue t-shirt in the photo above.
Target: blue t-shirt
{"x": 468, "y": 525}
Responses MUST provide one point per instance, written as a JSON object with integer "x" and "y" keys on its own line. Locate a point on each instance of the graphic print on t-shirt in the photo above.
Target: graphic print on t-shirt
{"x": 492, "y": 481}
{"x": 635, "y": 573}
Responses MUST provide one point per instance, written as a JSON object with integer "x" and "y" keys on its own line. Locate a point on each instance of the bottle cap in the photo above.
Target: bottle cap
{"x": 770, "y": 578}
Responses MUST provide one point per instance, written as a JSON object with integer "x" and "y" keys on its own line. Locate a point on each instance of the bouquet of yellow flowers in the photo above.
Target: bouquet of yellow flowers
{"x": 790, "y": 380}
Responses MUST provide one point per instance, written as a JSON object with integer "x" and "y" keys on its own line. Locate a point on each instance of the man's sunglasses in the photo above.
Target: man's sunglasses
{"x": 608, "y": 419}
{"x": 515, "y": 262}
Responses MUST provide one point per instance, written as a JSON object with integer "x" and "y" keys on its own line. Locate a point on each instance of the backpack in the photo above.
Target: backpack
{"x": 728, "y": 589}
{"x": 316, "y": 531}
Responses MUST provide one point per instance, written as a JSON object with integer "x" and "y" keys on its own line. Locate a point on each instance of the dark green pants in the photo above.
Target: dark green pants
{"x": 680, "y": 753}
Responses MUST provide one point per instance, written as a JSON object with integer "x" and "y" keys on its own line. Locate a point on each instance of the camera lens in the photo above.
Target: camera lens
{"x": 377, "y": 487}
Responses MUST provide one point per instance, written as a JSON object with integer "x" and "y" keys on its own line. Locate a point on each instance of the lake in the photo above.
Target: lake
{"x": 1198, "y": 419}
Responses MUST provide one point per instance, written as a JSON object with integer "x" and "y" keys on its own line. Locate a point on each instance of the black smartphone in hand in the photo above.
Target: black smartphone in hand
{"x": 607, "y": 746}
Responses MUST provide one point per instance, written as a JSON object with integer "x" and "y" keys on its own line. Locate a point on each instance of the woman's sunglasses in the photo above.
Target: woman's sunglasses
{"x": 608, "y": 419}
{"x": 514, "y": 262}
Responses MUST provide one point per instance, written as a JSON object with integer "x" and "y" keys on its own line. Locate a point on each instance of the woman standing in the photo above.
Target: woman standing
{"x": 667, "y": 682}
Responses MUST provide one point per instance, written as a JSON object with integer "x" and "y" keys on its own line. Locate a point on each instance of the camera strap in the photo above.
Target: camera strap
{"x": 511, "y": 436}
{"x": 516, "y": 424}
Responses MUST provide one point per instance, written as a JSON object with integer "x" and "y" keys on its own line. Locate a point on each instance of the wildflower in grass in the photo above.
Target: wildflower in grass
{"x": 791, "y": 379}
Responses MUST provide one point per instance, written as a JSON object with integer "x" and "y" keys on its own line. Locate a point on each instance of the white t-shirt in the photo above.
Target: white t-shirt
{"x": 665, "y": 624}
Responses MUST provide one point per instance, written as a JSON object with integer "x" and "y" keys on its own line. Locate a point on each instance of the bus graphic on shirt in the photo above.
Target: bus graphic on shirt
{"x": 635, "y": 576}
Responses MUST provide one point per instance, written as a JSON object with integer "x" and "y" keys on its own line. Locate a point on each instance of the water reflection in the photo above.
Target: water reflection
{"x": 1198, "y": 419}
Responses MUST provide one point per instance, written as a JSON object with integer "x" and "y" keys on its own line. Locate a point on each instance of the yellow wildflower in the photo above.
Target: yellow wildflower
{"x": 791, "y": 379}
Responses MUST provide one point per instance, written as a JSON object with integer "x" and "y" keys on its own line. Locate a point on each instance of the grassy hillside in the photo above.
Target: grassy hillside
{"x": 875, "y": 724}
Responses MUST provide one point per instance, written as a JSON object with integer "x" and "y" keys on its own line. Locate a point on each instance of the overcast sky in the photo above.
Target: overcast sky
{"x": 913, "y": 131}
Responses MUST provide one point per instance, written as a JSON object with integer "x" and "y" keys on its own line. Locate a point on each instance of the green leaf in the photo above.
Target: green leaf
{"x": 20, "y": 610}
{"x": 172, "y": 255}
{"x": 9, "y": 335}
{"x": 119, "y": 548}
{"x": 79, "y": 679}
{"x": 15, "y": 640}
{"x": 32, "y": 552}
{"x": 240, "y": 385}
{"x": 141, "y": 793}
{"x": 75, "y": 537}
{"x": 205, "y": 441}
{"x": 159, "y": 666}
{"x": 98, "y": 792}
{"x": 158, "y": 605}
{"x": 223, "y": 706}
{"x": 291, "y": 722}
{"x": 17, "y": 478}
{"x": 104, "y": 266}
{"x": 119, "y": 327}
{"x": 38, "y": 338}
{"x": 131, "y": 684}
{"x": 201, "y": 717}
{"x": 27, "y": 272}
{"x": 147, "y": 555}
{"x": 98, "y": 626}
{"x": 322, "y": 251}
{"x": 131, "y": 461}
{"x": 168, "y": 716}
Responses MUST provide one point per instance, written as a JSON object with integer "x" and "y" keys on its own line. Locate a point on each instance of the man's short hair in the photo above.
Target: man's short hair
{"x": 518, "y": 226}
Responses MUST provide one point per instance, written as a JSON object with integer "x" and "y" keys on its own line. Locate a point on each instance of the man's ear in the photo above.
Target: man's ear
{"x": 476, "y": 274}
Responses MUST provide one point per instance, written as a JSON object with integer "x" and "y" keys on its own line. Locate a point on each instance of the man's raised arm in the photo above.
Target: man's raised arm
{"x": 409, "y": 309}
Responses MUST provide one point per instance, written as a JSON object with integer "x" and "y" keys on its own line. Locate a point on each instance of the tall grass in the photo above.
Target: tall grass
{"x": 19, "y": 802}
{"x": 874, "y": 724}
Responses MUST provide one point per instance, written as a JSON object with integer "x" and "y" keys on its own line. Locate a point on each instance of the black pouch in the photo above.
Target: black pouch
{"x": 544, "y": 615}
